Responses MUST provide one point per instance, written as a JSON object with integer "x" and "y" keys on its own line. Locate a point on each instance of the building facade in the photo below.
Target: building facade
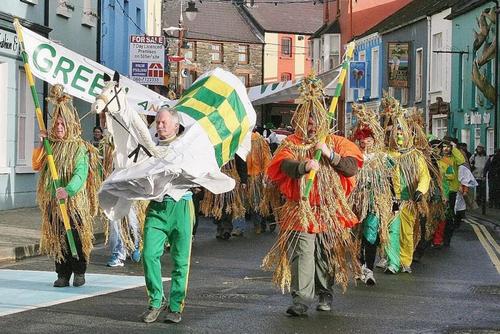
{"x": 119, "y": 20}
{"x": 411, "y": 83}
{"x": 473, "y": 76}
{"x": 368, "y": 88}
{"x": 344, "y": 20}
{"x": 207, "y": 44}
{"x": 287, "y": 29}
{"x": 153, "y": 18}
{"x": 60, "y": 21}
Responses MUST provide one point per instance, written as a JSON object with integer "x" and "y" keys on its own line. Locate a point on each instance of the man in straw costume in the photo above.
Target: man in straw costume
{"x": 227, "y": 207}
{"x": 259, "y": 194}
{"x": 372, "y": 199}
{"x": 426, "y": 221}
{"x": 77, "y": 163}
{"x": 315, "y": 244}
{"x": 411, "y": 183}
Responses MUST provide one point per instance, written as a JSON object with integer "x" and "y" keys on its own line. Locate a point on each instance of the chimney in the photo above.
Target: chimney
{"x": 326, "y": 14}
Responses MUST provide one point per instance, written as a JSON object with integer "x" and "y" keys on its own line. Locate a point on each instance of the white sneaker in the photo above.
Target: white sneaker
{"x": 382, "y": 263}
{"x": 368, "y": 278}
{"x": 405, "y": 269}
{"x": 361, "y": 275}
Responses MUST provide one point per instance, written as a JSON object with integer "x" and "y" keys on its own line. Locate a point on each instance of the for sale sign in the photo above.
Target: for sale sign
{"x": 147, "y": 56}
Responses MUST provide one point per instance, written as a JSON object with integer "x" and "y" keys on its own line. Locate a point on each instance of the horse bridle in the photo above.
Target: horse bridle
{"x": 107, "y": 103}
{"x": 104, "y": 98}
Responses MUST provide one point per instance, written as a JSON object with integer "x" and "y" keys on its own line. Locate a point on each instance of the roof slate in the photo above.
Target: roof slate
{"x": 415, "y": 11}
{"x": 215, "y": 21}
{"x": 288, "y": 17}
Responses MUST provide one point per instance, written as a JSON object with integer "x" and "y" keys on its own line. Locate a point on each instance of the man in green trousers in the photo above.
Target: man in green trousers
{"x": 167, "y": 221}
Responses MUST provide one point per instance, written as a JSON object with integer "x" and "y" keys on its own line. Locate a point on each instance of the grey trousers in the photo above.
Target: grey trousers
{"x": 310, "y": 275}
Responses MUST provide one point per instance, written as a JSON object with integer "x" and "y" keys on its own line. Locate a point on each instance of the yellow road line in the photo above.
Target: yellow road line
{"x": 487, "y": 235}
{"x": 487, "y": 247}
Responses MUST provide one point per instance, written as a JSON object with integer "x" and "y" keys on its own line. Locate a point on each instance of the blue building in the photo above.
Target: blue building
{"x": 75, "y": 27}
{"x": 369, "y": 52}
{"x": 119, "y": 20}
{"x": 473, "y": 109}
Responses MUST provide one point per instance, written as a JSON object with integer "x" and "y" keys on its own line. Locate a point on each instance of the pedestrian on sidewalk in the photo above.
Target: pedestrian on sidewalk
{"x": 76, "y": 162}
{"x": 314, "y": 245}
{"x": 478, "y": 163}
{"x": 492, "y": 170}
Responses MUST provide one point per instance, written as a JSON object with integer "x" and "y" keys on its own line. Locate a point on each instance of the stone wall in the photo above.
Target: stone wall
{"x": 202, "y": 61}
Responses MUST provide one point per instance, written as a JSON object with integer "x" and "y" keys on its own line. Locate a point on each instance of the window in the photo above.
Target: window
{"x": 391, "y": 91}
{"x": 439, "y": 126}
{"x": 245, "y": 78}
{"x": 190, "y": 51}
{"x": 217, "y": 53}
{"x": 189, "y": 79}
{"x": 286, "y": 76}
{"x": 4, "y": 84}
{"x": 465, "y": 136}
{"x": 286, "y": 47}
{"x": 334, "y": 54}
{"x": 477, "y": 136}
{"x": 437, "y": 62}
{"x": 404, "y": 96}
{"x": 419, "y": 70}
{"x": 310, "y": 48}
{"x": 361, "y": 57}
{"x": 374, "y": 73}
{"x": 138, "y": 20}
{"x": 64, "y": 8}
{"x": 89, "y": 16}
{"x": 490, "y": 141}
{"x": 25, "y": 122}
{"x": 243, "y": 54}
{"x": 316, "y": 54}
{"x": 475, "y": 96}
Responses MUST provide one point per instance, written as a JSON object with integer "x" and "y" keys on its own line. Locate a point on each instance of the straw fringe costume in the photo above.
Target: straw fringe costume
{"x": 77, "y": 165}
{"x": 227, "y": 207}
{"x": 372, "y": 199}
{"x": 411, "y": 183}
{"x": 261, "y": 196}
{"x": 434, "y": 212}
{"x": 315, "y": 245}
{"x": 448, "y": 166}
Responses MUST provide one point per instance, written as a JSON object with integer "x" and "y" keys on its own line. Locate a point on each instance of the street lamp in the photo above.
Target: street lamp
{"x": 191, "y": 11}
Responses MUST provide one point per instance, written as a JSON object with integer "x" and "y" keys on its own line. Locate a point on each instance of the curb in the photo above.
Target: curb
{"x": 489, "y": 220}
{"x": 26, "y": 251}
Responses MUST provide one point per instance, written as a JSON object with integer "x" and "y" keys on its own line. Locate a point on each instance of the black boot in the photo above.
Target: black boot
{"x": 61, "y": 282}
{"x": 78, "y": 280}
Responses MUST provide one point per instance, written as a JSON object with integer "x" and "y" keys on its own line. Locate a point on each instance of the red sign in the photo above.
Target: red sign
{"x": 175, "y": 59}
{"x": 155, "y": 70}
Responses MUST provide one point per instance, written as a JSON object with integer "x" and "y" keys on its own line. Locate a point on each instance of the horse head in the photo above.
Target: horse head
{"x": 112, "y": 97}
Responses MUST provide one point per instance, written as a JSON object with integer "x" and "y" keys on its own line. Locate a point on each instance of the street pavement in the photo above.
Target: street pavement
{"x": 452, "y": 290}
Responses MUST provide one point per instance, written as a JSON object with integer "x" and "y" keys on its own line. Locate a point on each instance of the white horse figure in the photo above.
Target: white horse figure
{"x": 145, "y": 171}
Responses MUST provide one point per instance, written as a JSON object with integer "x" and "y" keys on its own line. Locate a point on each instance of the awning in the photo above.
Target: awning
{"x": 288, "y": 90}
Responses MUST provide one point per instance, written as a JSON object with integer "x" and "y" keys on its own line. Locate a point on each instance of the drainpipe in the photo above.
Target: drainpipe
{"x": 98, "y": 42}
{"x": 428, "y": 77}
{"x": 496, "y": 126}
